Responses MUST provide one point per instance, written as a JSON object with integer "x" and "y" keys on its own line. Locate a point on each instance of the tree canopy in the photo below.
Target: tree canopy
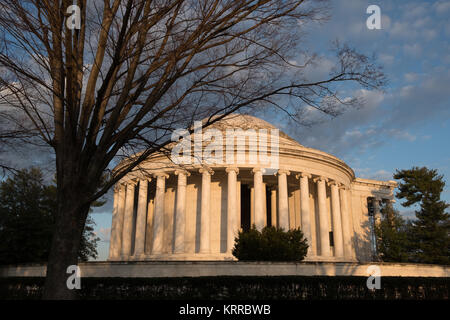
{"x": 27, "y": 220}
{"x": 425, "y": 239}
{"x": 430, "y": 232}
{"x": 392, "y": 236}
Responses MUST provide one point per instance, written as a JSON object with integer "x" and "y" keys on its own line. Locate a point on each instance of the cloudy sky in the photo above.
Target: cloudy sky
{"x": 406, "y": 125}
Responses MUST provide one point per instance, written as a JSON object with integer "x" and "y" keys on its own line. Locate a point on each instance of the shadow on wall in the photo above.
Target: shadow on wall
{"x": 198, "y": 216}
{"x": 223, "y": 215}
{"x": 363, "y": 250}
{"x": 362, "y": 242}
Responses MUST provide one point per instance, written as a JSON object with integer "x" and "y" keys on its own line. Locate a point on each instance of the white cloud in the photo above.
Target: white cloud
{"x": 400, "y": 29}
{"x": 349, "y": 131}
{"x": 369, "y": 173}
{"x": 405, "y": 91}
{"x": 441, "y": 7}
{"x": 385, "y": 22}
{"x": 429, "y": 34}
{"x": 417, "y": 103}
{"x": 319, "y": 70}
{"x": 411, "y": 76}
{"x": 414, "y": 10}
{"x": 421, "y": 22}
{"x": 401, "y": 134}
{"x": 416, "y": 24}
{"x": 413, "y": 49}
{"x": 387, "y": 58}
{"x": 385, "y": 117}
{"x": 381, "y": 175}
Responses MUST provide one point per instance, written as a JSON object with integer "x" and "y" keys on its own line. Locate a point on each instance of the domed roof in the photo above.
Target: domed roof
{"x": 290, "y": 154}
{"x": 246, "y": 122}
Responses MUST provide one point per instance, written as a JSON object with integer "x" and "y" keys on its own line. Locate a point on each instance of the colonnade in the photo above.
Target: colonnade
{"x": 124, "y": 202}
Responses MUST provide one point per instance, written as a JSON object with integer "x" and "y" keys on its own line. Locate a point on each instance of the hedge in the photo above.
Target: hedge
{"x": 270, "y": 244}
{"x": 238, "y": 288}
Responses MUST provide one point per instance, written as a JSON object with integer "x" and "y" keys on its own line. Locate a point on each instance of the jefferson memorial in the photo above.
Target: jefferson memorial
{"x": 169, "y": 210}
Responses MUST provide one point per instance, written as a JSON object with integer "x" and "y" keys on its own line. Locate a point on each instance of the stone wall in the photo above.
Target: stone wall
{"x": 160, "y": 269}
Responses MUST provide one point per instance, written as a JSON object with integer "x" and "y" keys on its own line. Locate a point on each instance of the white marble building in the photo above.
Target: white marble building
{"x": 164, "y": 211}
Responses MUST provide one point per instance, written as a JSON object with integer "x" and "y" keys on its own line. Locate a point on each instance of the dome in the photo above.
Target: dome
{"x": 249, "y": 132}
{"x": 247, "y": 122}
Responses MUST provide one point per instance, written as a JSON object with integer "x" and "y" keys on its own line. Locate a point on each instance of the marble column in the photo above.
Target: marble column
{"x": 305, "y": 213}
{"x": 273, "y": 205}
{"x": 283, "y": 202}
{"x": 117, "y": 222}
{"x": 346, "y": 228}
{"x": 259, "y": 200}
{"x": 114, "y": 223}
{"x": 180, "y": 211}
{"x": 205, "y": 224}
{"x": 323, "y": 217}
{"x": 265, "y": 222}
{"x": 337, "y": 222}
{"x": 158, "y": 214}
{"x": 128, "y": 221}
{"x": 232, "y": 212}
{"x": 139, "y": 242}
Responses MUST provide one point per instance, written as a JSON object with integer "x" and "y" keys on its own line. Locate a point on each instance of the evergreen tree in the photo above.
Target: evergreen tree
{"x": 429, "y": 233}
{"x": 27, "y": 218}
{"x": 392, "y": 236}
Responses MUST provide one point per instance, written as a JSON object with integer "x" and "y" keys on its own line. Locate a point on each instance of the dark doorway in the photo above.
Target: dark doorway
{"x": 245, "y": 207}
{"x": 268, "y": 206}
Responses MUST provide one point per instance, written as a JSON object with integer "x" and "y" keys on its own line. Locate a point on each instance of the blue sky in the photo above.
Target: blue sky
{"x": 406, "y": 125}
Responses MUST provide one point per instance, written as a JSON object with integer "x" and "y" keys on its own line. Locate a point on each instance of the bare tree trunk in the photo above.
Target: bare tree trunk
{"x": 65, "y": 245}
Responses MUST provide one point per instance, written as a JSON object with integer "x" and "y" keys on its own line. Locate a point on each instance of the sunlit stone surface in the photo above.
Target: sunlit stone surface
{"x": 165, "y": 211}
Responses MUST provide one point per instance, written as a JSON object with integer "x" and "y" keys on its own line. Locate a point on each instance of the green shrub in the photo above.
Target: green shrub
{"x": 271, "y": 244}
